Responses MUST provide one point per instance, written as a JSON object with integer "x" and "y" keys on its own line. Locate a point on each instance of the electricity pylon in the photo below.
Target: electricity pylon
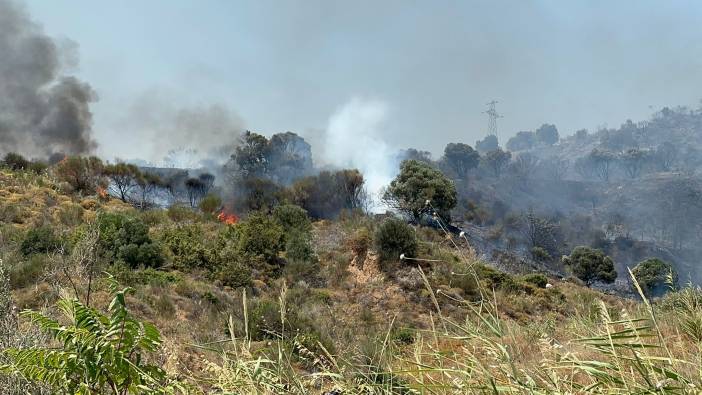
{"x": 493, "y": 115}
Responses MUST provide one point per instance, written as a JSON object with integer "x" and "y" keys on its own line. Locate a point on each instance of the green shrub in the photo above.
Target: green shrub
{"x": 37, "y": 167}
{"x": 236, "y": 272}
{"x": 71, "y": 214}
{"x": 404, "y": 335}
{"x": 655, "y": 276}
{"x": 28, "y": 272}
{"x": 126, "y": 239}
{"x": 210, "y": 203}
{"x": 260, "y": 235}
{"x": 537, "y": 279}
{"x": 187, "y": 245}
{"x": 40, "y": 240}
{"x": 147, "y": 276}
{"x": 298, "y": 247}
{"x": 495, "y": 279}
{"x": 395, "y": 237}
{"x": 181, "y": 213}
{"x": 292, "y": 218}
{"x": 306, "y": 271}
{"x": 591, "y": 265}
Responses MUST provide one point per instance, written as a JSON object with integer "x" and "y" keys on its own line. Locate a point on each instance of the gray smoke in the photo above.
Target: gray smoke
{"x": 167, "y": 130}
{"x": 42, "y": 111}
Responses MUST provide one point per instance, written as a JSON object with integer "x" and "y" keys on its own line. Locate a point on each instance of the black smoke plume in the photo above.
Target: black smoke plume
{"x": 42, "y": 110}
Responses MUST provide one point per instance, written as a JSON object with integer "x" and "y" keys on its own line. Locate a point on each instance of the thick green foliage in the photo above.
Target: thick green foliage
{"x": 40, "y": 240}
{"x": 418, "y": 183}
{"x": 124, "y": 238}
{"x": 292, "y": 218}
{"x": 655, "y": 276}
{"x": 395, "y": 237}
{"x": 461, "y": 158}
{"x": 235, "y": 271}
{"x": 188, "y": 247}
{"x": 591, "y": 265}
{"x": 97, "y": 353}
{"x": 259, "y": 235}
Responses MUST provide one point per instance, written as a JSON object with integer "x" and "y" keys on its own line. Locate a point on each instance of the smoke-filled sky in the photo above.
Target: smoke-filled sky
{"x": 160, "y": 67}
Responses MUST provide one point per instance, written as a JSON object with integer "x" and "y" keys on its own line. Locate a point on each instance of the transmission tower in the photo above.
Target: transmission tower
{"x": 493, "y": 115}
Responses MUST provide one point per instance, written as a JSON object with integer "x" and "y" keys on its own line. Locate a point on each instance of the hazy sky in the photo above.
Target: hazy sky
{"x": 273, "y": 66}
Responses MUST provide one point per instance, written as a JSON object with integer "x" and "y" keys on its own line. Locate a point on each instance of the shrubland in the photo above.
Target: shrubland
{"x": 105, "y": 296}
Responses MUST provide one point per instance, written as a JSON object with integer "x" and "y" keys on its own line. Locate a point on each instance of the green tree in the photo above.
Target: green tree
{"x": 521, "y": 141}
{"x": 252, "y": 155}
{"x": 416, "y": 184}
{"x": 590, "y": 265}
{"x": 489, "y": 143}
{"x": 496, "y": 161}
{"x": 461, "y": 158}
{"x": 654, "y": 276}
{"x": 547, "y": 134}
{"x": 96, "y": 353}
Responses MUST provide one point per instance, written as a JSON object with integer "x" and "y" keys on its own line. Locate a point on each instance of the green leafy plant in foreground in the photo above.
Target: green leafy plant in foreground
{"x": 96, "y": 354}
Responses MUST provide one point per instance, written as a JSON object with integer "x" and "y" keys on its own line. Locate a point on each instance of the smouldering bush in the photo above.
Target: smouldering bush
{"x": 395, "y": 237}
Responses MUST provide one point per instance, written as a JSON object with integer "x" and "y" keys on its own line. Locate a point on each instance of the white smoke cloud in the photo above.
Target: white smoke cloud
{"x": 353, "y": 139}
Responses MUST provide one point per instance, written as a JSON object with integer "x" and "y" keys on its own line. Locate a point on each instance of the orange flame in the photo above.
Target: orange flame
{"x": 102, "y": 192}
{"x": 229, "y": 219}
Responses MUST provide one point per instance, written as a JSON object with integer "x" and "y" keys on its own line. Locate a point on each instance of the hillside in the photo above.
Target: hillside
{"x": 342, "y": 320}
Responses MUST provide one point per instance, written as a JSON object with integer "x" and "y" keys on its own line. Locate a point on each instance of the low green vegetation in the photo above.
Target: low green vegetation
{"x": 278, "y": 301}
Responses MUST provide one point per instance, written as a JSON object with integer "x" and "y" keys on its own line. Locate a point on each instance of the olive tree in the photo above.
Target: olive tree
{"x": 417, "y": 184}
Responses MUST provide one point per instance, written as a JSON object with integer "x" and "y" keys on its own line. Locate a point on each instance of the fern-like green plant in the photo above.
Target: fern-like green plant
{"x": 96, "y": 353}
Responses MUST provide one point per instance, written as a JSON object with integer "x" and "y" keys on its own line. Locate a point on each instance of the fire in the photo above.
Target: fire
{"x": 229, "y": 219}
{"x": 102, "y": 192}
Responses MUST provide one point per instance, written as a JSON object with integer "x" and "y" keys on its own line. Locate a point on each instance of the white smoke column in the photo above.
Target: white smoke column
{"x": 353, "y": 140}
